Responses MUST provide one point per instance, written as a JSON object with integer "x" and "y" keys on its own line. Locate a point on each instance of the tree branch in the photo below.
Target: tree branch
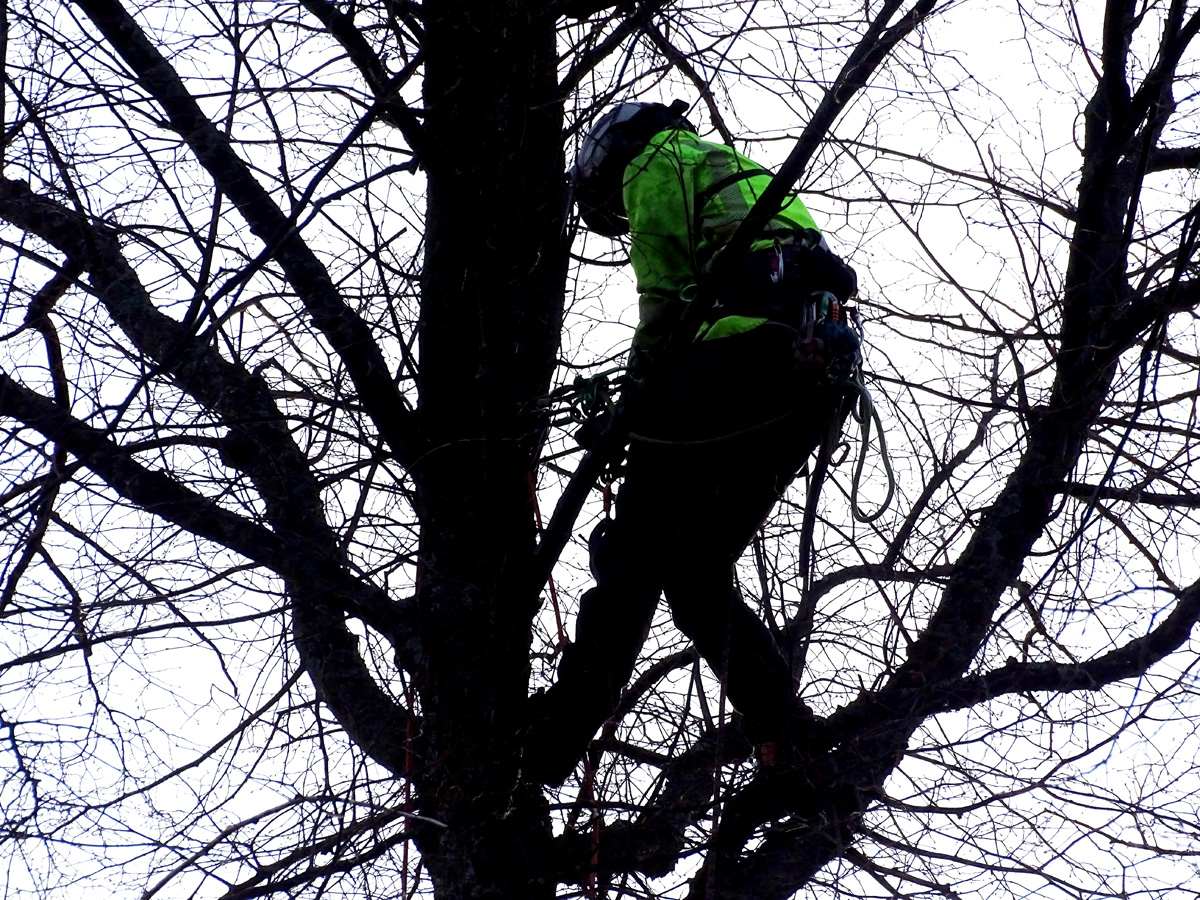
{"x": 1166, "y": 158}
{"x": 264, "y": 447}
{"x": 347, "y": 333}
{"x": 872, "y": 49}
{"x": 825, "y": 796}
{"x": 161, "y": 495}
{"x": 634, "y": 19}
{"x": 1141, "y": 106}
{"x": 1136, "y": 496}
{"x": 1130, "y": 661}
{"x": 369, "y": 716}
{"x": 391, "y": 108}
{"x": 1062, "y": 209}
{"x": 654, "y": 842}
{"x": 684, "y": 65}
{"x": 37, "y": 317}
{"x": 583, "y": 9}
{"x": 1124, "y": 327}
{"x": 302, "y": 548}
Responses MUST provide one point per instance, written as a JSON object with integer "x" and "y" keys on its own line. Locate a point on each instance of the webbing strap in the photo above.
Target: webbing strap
{"x": 720, "y": 184}
{"x": 704, "y": 196}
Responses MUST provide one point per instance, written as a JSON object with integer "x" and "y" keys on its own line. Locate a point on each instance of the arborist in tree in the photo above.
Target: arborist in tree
{"x": 719, "y": 430}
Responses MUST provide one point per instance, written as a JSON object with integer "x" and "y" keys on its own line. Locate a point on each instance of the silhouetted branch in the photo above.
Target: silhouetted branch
{"x": 392, "y": 109}
{"x": 346, "y": 331}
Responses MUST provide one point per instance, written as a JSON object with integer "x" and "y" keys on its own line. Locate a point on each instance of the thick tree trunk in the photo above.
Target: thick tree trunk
{"x": 494, "y": 277}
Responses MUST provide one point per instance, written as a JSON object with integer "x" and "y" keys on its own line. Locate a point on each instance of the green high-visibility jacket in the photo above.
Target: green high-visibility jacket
{"x": 685, "y": 198}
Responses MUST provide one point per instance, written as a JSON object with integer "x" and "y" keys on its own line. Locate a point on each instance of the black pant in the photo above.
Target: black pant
{"x": 717, "y": 439}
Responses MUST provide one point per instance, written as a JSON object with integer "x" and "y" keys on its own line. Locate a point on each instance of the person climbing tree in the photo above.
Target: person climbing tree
{"x": 719, "y": 430}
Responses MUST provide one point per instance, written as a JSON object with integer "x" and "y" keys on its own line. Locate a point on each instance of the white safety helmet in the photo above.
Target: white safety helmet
{"x": 616, "y": 138}
{"x": 599, "y": 141}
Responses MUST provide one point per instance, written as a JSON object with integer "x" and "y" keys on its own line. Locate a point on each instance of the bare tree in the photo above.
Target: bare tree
{"x": 293, "y": 306}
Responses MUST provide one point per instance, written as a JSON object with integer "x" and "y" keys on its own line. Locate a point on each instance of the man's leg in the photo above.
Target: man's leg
{"x": 740, "y": 650}
{"x": 689, "y": 510}
{"x": 767, "y": 419}
{"x": 609, "y": 632}
{"x": 610, "y": 629}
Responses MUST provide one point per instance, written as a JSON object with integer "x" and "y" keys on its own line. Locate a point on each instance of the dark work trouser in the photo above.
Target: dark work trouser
{"x": 717, "y": 440}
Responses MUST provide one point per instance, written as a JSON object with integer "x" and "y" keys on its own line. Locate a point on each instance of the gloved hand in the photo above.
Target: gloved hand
{"x": 817, "y": 268}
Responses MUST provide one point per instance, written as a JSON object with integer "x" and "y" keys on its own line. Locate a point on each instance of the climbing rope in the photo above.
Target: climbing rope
{"x": 700, "y": 442}
{"x": 798, "y": 655}
{"x": 867, "y": 413}
{"x": 587, "y": 398}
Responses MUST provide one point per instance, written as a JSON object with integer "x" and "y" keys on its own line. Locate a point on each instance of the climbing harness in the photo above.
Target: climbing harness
{"x": 822, "y": 326}
{"x": 822, "y": 318}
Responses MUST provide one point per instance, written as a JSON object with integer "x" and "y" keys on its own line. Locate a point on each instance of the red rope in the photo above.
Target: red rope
{"x": 537, "y": 512}
{"x": 408, "y": 767}
{"x": 588, "y": 790}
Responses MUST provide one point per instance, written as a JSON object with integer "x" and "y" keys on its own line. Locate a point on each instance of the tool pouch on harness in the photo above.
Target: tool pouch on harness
{"x": 806, "y": 286}
{"x": 777, "y": 282}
